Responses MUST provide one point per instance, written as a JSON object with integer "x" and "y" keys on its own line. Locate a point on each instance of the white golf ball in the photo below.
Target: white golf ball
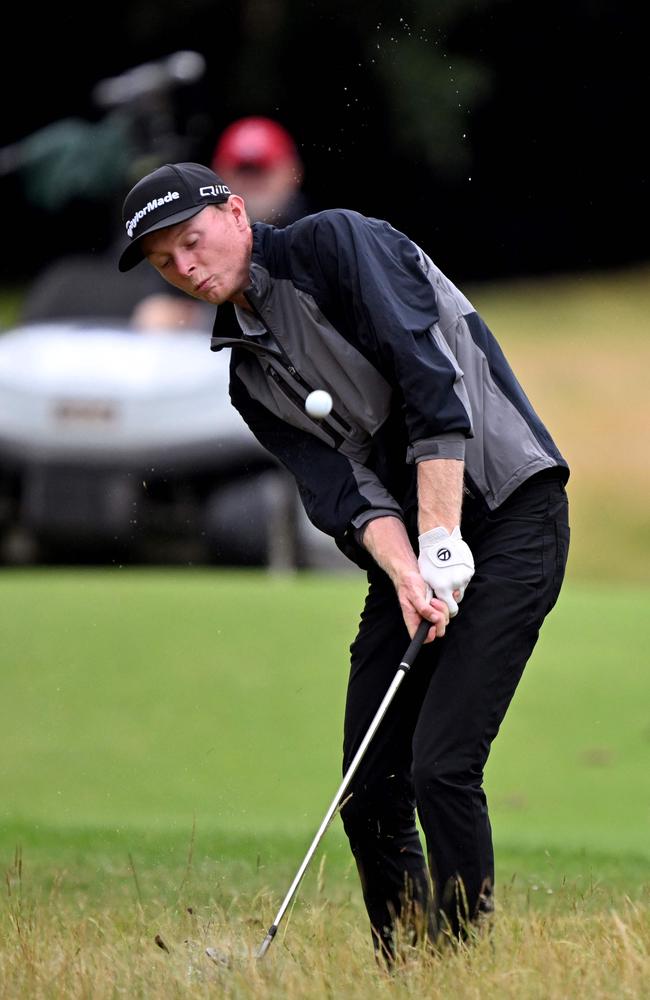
{"x": 318, "y": 403}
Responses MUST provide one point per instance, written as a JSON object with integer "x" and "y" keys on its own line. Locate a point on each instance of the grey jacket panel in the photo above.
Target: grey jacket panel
{"x": 504, "y": 450}
{"x": 281, "y": 395}
{"x": 381, "y": 501}
{"x": 324, "y": 360}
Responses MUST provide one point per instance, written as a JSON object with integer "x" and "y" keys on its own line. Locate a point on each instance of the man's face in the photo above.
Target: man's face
{"x": 208, "y": 256}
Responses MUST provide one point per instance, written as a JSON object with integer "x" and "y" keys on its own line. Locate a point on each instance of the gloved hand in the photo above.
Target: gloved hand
{"x": 446, "y": 564}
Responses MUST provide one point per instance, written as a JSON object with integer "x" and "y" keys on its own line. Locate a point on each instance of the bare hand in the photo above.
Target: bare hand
{"x": 417, "y": 602}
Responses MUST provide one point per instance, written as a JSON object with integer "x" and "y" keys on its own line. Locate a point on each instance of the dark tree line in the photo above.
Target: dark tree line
{"x": 504, "y": 136}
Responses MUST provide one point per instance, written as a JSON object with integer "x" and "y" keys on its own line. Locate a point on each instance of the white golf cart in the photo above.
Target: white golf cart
{"x": 122, "y": 446}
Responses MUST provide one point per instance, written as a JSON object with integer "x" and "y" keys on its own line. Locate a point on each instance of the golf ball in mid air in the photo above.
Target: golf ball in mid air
{"x": 318, "y": 403}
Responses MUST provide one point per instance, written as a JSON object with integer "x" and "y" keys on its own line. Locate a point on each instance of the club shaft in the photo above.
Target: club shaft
{"x": 403, "y": 669}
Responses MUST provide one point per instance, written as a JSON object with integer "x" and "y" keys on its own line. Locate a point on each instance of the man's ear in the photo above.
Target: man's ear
{"x": 238, "y": 209}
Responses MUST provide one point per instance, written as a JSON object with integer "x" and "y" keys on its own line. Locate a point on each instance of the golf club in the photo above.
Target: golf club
{"x": 404, "y": 667}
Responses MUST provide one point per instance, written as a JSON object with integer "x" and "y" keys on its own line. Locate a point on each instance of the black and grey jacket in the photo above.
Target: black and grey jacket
{"x": 348, "y": 304}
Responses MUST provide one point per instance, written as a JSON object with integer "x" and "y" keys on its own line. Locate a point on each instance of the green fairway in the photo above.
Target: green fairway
{"x": 149, "y": 698}
{"x": 155, "y": 701}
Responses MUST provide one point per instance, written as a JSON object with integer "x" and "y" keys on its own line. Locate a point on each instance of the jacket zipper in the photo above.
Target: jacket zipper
{"x": 297, "y": 400}
{"x": 291, "y": 369}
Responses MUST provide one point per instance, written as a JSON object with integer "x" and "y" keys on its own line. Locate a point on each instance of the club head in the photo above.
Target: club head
{"x": 228, "y": 958}
{"x": 221, "y": 958}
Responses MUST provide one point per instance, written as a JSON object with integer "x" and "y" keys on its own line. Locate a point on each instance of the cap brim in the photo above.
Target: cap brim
{"x": 132, "y": 255}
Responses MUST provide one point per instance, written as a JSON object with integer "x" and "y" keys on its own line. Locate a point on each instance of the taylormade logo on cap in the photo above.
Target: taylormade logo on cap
{"x": 150, "y": 207}
{"x": 207, "y": 191}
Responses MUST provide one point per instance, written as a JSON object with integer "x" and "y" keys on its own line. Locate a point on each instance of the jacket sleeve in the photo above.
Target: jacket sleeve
{"x": 369, "y": 280}
{"x": 339, "y": 495}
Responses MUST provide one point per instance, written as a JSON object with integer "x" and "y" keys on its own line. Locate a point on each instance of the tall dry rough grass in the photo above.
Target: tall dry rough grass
{"x": 65, "y": 949}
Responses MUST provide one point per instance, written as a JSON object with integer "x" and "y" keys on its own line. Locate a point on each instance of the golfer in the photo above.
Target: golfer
{"x": 432, "y": 472}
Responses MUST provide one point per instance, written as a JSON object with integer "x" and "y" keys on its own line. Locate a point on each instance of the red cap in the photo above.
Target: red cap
{"x": 255, "y": 141}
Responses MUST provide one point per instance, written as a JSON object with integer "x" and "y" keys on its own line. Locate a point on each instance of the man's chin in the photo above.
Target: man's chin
{"x": 213, "y": 296}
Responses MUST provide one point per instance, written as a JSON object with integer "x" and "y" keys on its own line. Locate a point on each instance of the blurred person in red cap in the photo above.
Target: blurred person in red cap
{"x": 259, "y": 160}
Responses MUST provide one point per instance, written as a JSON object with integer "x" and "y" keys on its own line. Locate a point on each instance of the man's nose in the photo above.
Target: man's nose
{"x": 185, "y": 264}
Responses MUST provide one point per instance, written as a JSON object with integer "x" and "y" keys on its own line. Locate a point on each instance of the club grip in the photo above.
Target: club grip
{"x": 416, "y": 644}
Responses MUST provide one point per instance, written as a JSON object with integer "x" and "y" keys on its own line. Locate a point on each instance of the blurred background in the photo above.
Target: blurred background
{"x": 505, "y": 139}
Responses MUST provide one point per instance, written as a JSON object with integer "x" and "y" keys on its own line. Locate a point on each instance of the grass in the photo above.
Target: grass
{"x": 148, "y": 698}
{"x": 580, "y": 943}
{"x": 170, "y": 741}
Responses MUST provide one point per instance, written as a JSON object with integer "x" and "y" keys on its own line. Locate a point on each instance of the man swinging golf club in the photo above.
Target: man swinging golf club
{"x": 432, "y": 472}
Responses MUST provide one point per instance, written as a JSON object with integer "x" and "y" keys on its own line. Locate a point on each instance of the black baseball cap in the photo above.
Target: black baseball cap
{"x": 172, "y": 193}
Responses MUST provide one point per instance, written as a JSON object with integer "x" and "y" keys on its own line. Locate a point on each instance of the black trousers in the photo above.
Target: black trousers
{"x": 431, "y": 748}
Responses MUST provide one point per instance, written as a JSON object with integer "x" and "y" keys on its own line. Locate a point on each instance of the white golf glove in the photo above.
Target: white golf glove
{"x": 446, "y": 564}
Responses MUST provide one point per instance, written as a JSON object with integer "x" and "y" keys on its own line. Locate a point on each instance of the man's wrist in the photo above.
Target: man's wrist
{"x": 386, "y": 540}
{"x": 437, "y": 533}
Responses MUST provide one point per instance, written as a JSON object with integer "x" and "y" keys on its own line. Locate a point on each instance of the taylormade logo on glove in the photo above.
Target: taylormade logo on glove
{"x": 446, "y": 564}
